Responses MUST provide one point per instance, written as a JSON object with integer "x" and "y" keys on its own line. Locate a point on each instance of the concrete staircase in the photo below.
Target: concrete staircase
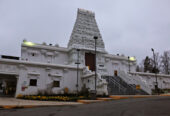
{"x": 117, "y": 86}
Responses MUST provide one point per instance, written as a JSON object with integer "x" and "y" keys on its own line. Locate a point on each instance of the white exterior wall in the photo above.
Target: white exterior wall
{"x": 42, "y": 54}
{"x": 101, "y": 65}
{"x": 49, "y": 72}
{"x": 118, "y": 63}
{"x": 149, "y": 79}
{"x": 70, "y": 80}
{"x": 45, "y": 75}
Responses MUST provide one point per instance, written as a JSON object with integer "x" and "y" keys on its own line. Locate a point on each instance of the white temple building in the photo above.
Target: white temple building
{"x": 53, "y": 69}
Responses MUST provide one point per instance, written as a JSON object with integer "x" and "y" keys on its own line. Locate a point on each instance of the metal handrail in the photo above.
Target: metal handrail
{"x": 129, "y": 85}
{"x": 118, "y": 84}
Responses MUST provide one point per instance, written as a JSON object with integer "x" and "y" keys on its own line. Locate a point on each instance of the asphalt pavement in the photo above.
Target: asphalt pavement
{"x": 153, "y": 106}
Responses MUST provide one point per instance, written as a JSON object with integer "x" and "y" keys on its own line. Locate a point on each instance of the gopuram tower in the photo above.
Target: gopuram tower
{"x": 85, "y": 28}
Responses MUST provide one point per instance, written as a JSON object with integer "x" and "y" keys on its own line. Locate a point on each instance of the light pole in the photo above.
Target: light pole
{"x": 78, "y": 50}
{"x": 95, "y": 38}
{"x": 154, "y": 69}
{"x": 129, "y": 63}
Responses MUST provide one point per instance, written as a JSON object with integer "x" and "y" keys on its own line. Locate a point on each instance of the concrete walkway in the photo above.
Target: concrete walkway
{"x": 18, "y": 103}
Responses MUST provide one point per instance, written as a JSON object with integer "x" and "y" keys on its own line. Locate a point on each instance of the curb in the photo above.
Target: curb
{"x": 116, "y": 97}
{"x": 16, "y": 107}
{"x": 119, "y": 97}
{"x": 28, "y": 106}
{"x": 88, "y": 101}
{"x": 164, "y": 95}
{"x": 105, "y": 99}
{"x": 112, "y": 97}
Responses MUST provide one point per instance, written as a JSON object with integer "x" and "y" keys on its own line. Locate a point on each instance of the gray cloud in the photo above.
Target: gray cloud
{"x": 128, "y": 27}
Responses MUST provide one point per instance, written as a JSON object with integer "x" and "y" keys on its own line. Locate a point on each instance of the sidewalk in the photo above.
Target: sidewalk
{"x": 18, "y": 103}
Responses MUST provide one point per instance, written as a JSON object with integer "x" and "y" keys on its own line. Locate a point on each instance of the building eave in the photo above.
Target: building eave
{"x": 19, "y": 62}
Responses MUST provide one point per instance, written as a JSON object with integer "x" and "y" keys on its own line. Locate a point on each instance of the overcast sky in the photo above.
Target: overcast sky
{"x": 129, "y": 27}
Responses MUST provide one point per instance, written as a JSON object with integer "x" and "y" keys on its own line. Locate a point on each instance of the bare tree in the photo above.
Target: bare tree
{"x": 165, "y": 62}
{"x": 162, "y": 63}
{"x": 148, "y": 64}
{"x": 157, "y": 63}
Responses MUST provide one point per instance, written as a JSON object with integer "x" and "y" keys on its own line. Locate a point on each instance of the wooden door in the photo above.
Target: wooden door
{"x": 90, "y": 61}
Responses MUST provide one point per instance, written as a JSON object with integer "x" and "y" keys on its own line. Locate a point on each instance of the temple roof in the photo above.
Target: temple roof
{"x": 85, "y": 28}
